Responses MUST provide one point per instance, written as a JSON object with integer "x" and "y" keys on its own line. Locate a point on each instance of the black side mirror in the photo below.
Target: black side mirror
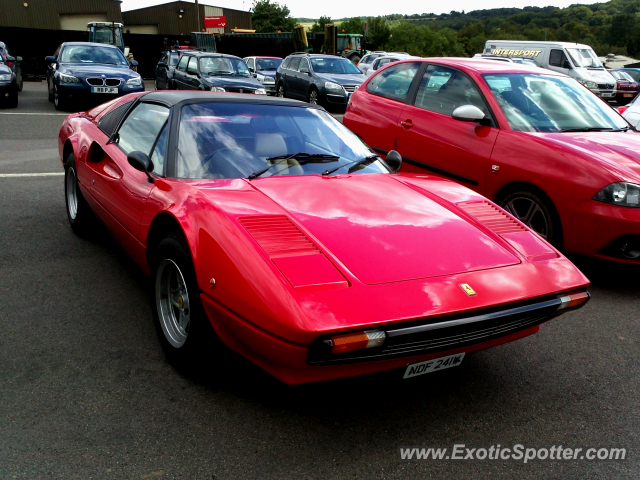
{"x": 133, "y": 63}
{"x": 50, "y": 59}
{"x": 141, "y": 162}
{"x": 394, "y": 160}
{"x": 161, "y": 64}
{"x": 567, "y": 65}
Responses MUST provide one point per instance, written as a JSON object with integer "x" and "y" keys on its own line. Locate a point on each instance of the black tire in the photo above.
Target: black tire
{"x": 79, "y": 213}
{"x": 535, "y": 210}
{"x": 280, "y": 91}
{"x": 59, "y": 100}
{"x": 49, "y": 92}
{"x": 355, "y": 59}
{"x": 21, "y": 84}
{"x": 188, "y": 348}
{"x": 313, "y": 97}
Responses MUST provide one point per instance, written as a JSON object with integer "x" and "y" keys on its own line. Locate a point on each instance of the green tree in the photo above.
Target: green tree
{"x": 270, "y": 16}
{"x": 353, "y": 25}
{"x": 379, "y": 30}
{"x": 318, "y": 26}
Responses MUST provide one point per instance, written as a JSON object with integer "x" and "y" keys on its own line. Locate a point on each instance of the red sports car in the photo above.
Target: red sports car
{"x": 269, "y": 223}
{"x": 536, "y": 142}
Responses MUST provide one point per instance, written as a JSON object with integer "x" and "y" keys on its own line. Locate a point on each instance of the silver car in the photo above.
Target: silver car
{"x": 385, "y": 60}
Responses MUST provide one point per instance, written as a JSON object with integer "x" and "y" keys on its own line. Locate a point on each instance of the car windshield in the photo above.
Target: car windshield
{"x": 268, "y": 63}
{"x": 542, "y": 103}
{"x": 624, "y": 76}
{"x": 584, "y": 57}
{"x": 236, "y": 140}
{"x": 92, "y": 54}
{"x": 334, "y": 65}
{"x": 223, "y": 66}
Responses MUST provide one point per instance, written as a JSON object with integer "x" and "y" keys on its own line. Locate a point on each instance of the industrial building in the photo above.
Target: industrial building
{"x": 181, "y": 18}
{"x": 58, "y": 14}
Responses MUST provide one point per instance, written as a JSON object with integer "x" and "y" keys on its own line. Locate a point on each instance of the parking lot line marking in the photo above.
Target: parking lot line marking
{"x": 33, "y": 113}
{"x": 12, "y": 175}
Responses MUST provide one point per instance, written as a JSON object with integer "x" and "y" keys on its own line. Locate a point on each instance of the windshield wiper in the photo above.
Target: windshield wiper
{"x": 355, "y": 163}
{"x": 220, "y": 72}
{"x": 301, "y": 157}
{"x": 589, "y": 129}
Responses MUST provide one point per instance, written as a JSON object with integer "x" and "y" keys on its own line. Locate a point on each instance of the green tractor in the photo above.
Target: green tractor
{"x": 349, "y": 45}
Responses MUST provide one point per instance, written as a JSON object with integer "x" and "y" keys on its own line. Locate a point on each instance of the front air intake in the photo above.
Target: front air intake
{"x": 278, "y": 236}
{"x": 491, "y": 217}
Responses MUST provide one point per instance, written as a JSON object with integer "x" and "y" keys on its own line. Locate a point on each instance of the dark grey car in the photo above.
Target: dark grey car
{"x": 12, "y": 62}
{"x": 322, "y": 79}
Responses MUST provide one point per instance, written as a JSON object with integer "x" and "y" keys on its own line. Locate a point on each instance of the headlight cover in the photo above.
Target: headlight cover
{"x": 621, "y": 193}
{"x": 260, "y": 91}
{"x": 590, "y": 84}
{"x": 134, "y": 81}
{"x": 268, "y": 80}
{"x": 332, "y": 86}
{"x": 218, "y": 89}
{"x": 68, "y": 78}
{"x": 5, "y": 77}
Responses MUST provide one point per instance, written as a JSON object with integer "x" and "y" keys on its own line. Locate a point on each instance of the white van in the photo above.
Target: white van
{"x": 574, "y": 59}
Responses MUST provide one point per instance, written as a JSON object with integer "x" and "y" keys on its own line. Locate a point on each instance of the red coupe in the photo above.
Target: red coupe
{"x": 536, "y": 142}
{"x": 266, "y": 221}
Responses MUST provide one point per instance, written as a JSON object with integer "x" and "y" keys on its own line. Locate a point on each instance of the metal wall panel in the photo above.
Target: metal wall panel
{"x": 46, "y": 13}
{"x": 213, "y": 12}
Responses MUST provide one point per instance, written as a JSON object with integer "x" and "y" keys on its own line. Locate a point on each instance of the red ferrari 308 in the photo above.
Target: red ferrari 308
{"x": 538, "y": 143}
{"x": 267, "y": 223}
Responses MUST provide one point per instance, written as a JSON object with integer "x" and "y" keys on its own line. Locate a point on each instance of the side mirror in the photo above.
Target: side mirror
{"x": 162, "y": 64}
{"x": 141, "y": 162}
{"x": 18, "y": 59}
{"x": 567, "y": 65}
{"x": 468, "y": 113}
{"x": 305, "y": 70}
{"x": 133, "y": 63}
{"x": 50, "y": 59}
{"x": 394, "y": 160}
{"x": 251, "y": 70}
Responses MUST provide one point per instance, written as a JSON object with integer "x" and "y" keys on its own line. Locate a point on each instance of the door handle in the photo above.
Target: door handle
{"x": 406, "y": 124}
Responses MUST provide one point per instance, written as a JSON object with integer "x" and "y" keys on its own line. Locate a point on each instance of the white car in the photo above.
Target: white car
{"x": 365, "y": 62}
{"x": 385, "y": 60}
{"x": 631, "y": 112}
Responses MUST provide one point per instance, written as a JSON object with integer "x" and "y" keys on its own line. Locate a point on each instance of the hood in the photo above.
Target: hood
{"x": 222, "y": 81}
{"x": 617, "y": 152}
{"x": 97, "y": 70}
{"x": 351, "y": 79}
{"x": 382, "y": 230}
{"x": 267, "y": 73}
{"x": 598, "y": 76}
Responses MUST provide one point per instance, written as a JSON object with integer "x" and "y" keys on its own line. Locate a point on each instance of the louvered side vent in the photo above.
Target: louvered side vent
{"x": 278, "y": 236}
{"x": 111, "y": 120}
{"x": 491, "y": 217}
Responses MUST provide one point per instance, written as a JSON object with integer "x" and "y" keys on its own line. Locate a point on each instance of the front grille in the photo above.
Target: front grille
{"x": 112, "y": 82}
{"x": 95, "y": 82}
{"x": 605, "y": 86}
{"x": 350, "y": 88}
{"x": 444, "y": 334}
{"x": 240, "y": 89}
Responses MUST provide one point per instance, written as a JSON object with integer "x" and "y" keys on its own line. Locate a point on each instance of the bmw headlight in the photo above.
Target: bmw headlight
{"x": 135, "y": 81}
{"x": 624, "y": 194}
{"x": 260, "y": 91}
{"x": 68, "y": 78}
{"x": 332, "y": 86}
{"x": 5, "y": 77}
{"x": 218, "y": 89}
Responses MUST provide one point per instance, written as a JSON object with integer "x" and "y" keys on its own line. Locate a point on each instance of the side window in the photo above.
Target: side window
{"x": 443, "y": 89}
{"x": 160, "y": 150}
{"x": 141, "y": 128}
{"x": 394, "y": 82}
{"x": 286, "y": 62}
{"x": 634, "y": 74}
{"x": 251, "y": 63}
{"x": 293, "y": 64}
{"x": 182, "y": 64}
{"x": 192, "y": 69}
{"x": 304, "y": 63}
{"x": 557, "y": 58}
{"x": 365, "y": 59}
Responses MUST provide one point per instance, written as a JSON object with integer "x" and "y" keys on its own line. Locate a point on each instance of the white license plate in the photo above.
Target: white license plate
{"x": 607, "y": 94}
{"x": 433, "y": 365}
{"x": 104, "y": 89}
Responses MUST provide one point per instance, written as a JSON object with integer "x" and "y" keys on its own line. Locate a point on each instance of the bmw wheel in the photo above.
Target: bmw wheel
{"x": 183, "y": 329}
{"x": 536, "y": 212}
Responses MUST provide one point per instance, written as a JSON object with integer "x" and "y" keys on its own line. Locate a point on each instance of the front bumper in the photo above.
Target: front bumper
{"x": 8, "y": 90}
{"x": 82, "y": 91}
{"x": 591, "y": 227}
{"x": 605, "y": 94}
{"x": 624, "y": 97}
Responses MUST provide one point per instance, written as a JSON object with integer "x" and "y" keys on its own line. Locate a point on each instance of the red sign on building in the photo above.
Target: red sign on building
{"x": 215, "y": 22}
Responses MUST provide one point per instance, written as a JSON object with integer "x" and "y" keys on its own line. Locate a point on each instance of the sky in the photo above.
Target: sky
{"x": 340, "y": 8}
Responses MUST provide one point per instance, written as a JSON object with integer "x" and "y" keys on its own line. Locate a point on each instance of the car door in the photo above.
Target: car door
{"x": 119, "y": 188}
{"x": 430, "y": 140}
{"x": 192, "y": 81}
{"x": 289, "y": 77}
{"x": 161, "y": 71}
{"x": 180, "y": 73}
{"x": 373, "y": 115}
{"x": 303, "y": 79}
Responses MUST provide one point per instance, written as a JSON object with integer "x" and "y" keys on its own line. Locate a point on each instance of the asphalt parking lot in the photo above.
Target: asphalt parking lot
{"x": 86, "y": 393}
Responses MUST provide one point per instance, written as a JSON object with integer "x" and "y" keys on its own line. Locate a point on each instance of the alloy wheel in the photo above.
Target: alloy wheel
{"x": 529, "y": 212}
{"x": 172, "y": 301}
{"x": 72, "y": 193}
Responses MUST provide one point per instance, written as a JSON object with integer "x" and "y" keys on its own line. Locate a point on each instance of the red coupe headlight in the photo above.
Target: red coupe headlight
{"x": 357, "y": 341}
